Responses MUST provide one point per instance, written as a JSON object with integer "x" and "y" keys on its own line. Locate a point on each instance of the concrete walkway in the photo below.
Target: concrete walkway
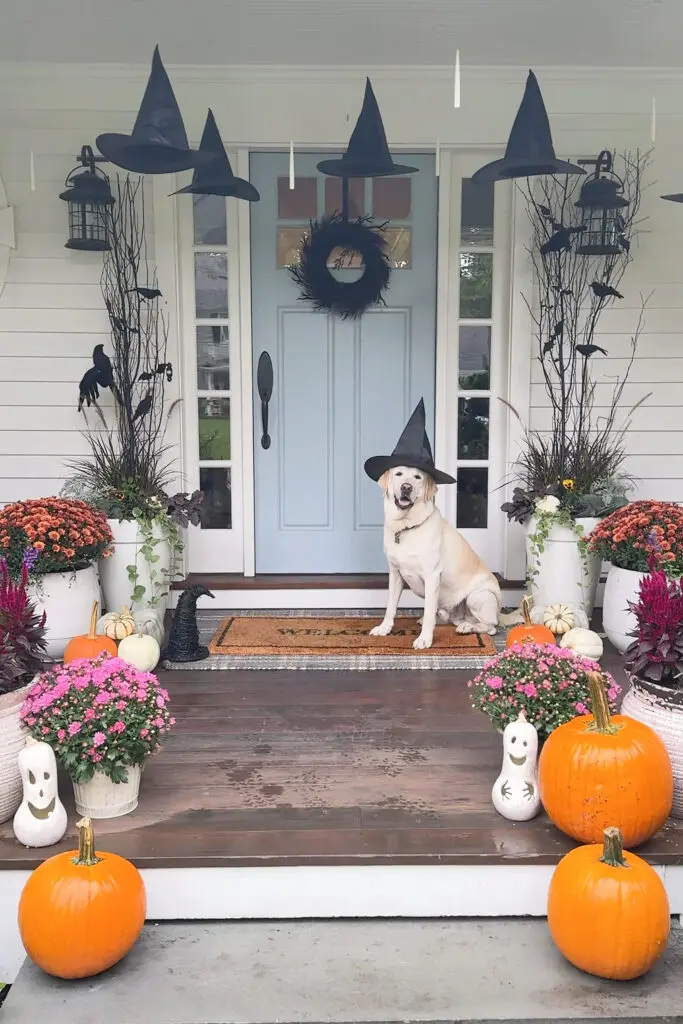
{"x": 347, "y": 971}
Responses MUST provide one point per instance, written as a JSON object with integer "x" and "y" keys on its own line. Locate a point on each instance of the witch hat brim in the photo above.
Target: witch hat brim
{"x": 529, "y": 151}
{"x": 677, "y": 197}
{"x": 412, "y": 449}
{"x": 367, "y": 154}
{"x": 158, "y": 143}
{"x": 216, "y": 178}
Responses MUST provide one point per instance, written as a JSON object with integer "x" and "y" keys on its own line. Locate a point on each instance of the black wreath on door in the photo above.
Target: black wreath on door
{"x": 346, "y": 299}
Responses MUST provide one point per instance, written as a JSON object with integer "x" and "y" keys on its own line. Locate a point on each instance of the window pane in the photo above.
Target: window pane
{"x": 289, "y": 243}
{"x": 476, "y": 213}
{"x": 216, "y": 509}
{"x": 211, "y": 284}
{"x": 391, "y": 198}
{"x": 473, "y": 428}
{"x": 474, "y": 358}
{"x": 210, "y": 223}
{"x": 214, "y": 429}
{"x": 476, "y": 285}
{"x": 333, "y": 196}
{"x": 213, "y": 359}
{"x": 297, "y": 202}
{"x": 473, "y": 499}
{"x": 398, "y": 246}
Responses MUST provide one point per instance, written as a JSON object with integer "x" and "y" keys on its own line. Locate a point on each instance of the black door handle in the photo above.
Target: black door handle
{"x": 264, "y": 383}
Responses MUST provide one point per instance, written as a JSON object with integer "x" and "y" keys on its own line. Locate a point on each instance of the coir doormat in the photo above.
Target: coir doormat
{"x": 338, "y": 642}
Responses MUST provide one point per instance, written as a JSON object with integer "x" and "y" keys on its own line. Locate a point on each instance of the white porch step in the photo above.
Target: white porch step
{"x": 347, "y": 972}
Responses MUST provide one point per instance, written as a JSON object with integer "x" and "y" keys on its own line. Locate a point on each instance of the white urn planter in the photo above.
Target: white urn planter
{"x": 102, "y": 798}
{"x": 116, "y": 585}
{"x": 12, "y": 739}
{"x": 67, "y": 599}
{"x": 662, "y": 709}
{"x": 563, "y": 575}
{"x": 617, "y": 621}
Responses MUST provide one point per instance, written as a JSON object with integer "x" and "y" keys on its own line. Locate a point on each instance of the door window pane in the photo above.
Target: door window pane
{"x": 289, "y": 243}
{"x": 214, "y": 429}
{"x": 300, "y": 201}
{"x": 476, "y": 285}
{"x": 333, "y": 196}
{"x": 211, "y": 284}
{"x": 391, "y": 198}
{"x": 476, "y": 213}
{"x": 210, "y": 222}
{"x": 213, "y": 358}
{"x": 473, "y": 499}
{"x": 474, "y": 358}
{"x": 473, "y": 428}
{"x": 216, "y": 509}
{"x": 398, "y": 247}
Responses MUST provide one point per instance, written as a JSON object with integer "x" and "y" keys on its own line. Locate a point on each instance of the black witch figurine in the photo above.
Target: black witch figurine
{"x": 183, "y": 641}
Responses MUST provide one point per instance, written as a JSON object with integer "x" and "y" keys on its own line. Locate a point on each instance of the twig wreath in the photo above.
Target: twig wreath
{"x": 327, "y": 293}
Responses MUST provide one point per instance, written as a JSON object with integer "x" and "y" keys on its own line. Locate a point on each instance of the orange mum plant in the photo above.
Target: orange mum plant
{"x": 66, "y": 534}
{"x": 641, "y": 534}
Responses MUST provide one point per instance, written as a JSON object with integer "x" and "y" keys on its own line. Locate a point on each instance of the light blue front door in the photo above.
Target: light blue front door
{"x": 341, "y": 390}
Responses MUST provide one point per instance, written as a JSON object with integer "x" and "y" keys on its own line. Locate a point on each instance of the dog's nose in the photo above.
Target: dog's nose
{"x": 406, "y": 488}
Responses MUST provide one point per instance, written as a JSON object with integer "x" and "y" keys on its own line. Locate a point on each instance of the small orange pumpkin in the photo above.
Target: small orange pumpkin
{"x": 90, "y": 644}
{"x": 80, "y": 913}
{"x": 608, "y": 912}
{"x": 598, "y": 769}
{"x": 529, "y": 632}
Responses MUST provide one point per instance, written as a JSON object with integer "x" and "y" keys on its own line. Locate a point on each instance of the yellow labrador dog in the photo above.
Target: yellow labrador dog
{"x": 435, "y": 561}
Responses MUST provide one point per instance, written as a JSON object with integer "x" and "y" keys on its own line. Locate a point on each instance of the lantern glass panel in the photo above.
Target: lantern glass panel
{"x": 600, "y": 234}
{"x": 88, "y": 226}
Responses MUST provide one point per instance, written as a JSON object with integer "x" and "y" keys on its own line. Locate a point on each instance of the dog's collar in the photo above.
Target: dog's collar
{"x": 397, "y": 535}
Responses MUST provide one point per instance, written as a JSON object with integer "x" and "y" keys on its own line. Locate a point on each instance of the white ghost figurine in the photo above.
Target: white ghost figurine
{"x": 41, "y": 819}
{"x": 515, "y": 791}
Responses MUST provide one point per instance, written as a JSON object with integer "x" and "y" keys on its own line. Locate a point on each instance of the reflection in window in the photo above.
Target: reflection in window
{"x": 391, "y": 198}
{"x": 300, "y": 202}
{"x": 476, "y": 213}
{"x": 216, "y": 509}
{"x": 289, "y": 244}
{"x": 213, "y": 358}
{"x": 474, "y": 358}
{"x": 476, "y": 285}
{"x": 473, "y": 499}
{"x": 211, "y": 284}
{"x": 214, "y": 429}
{"x": 473, "y": 428}
{"x": 210, "y": 222}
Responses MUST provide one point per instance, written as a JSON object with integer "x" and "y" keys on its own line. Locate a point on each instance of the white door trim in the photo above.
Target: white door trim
{"x": 443, "y": 428}
{"x": 245, "y": 349}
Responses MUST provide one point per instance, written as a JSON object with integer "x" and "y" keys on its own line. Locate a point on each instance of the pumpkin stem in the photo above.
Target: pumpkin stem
{"x": 526, "y": 611}
{"x": 613, "y": 848}
{"x": 602, "y": 721}
{"x": 87, "y": 857}
{"x": 93, "y": 622}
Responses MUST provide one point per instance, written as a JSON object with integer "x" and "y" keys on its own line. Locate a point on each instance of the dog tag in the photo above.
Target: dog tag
{"x": 397, "y": 537}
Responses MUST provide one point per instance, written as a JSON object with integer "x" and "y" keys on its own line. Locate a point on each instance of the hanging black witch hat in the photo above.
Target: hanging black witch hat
{"x": 158, "y": 143}
{"x": 367, "y": 154}
{"x": 529, "y": 151}
{"x": 412, "y": 449}
{"x": 677, "y": 197}
{"x": 216, "y": 178}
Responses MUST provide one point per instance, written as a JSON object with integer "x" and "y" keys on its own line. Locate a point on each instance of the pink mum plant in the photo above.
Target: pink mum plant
{"x": 101, "y": 715}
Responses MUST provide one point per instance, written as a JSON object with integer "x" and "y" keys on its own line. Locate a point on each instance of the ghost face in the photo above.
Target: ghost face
{"x": 38, "y": 770}
{"x": 520, "y": 744}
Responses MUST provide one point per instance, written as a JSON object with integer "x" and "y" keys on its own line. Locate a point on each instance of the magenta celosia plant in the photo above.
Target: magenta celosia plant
{"x": 22, "y": 628}
{"x": 656, "y": 653}
{"x": 550, "y": 684}
{"x": 101, "y": 715}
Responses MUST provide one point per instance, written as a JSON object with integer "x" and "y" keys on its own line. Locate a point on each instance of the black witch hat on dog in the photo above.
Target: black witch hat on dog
{"x": 158, "y": 143}
{"x": 413, "y": 449}
{"x": 217, "y": 178}
{"x": 367, "y": 154}
{"x": 529, "y": 151}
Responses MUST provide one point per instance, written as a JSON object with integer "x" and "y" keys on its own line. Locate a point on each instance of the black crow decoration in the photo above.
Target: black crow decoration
{"x": 99, "y": 375}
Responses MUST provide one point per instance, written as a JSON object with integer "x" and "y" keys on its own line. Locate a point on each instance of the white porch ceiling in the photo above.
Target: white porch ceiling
{"x": 536, "y": 33}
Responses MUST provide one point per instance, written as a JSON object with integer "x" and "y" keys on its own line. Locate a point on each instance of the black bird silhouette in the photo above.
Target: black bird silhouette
{"x": 590, "y": 350}
{"x": 122, "y": 326}
{"x": 566, "y": 291}
{"x": 548, "y": 346}
{"x": 147, "y": 293}
{"x": 557, "y": 330}
{"x": 102, "y": 364}
{"x": 545, "y": 212}
{"x": 146, "y": 376}
{"x": 99, "y": 375}
{"x": 88, "y": 391}
{"x": 604, "y": 291}
{"x": 143, "y": 407}
{"x": 561, "y": 240}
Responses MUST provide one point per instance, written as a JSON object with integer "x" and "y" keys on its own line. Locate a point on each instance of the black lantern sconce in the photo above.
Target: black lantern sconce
{"x": 89, "y": 198}
{"x": 601, "y": 200}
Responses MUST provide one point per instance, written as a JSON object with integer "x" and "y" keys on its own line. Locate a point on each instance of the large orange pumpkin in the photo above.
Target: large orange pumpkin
{"x": 91, "y": 643}
{"x": 599, "y": 769}
{"x": 608, "y": 911}
{"x": 81, "y": 912}
{"x": 529, "y": 632}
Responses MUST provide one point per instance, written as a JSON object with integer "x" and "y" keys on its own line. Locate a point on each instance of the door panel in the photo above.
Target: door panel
{"x": 343, "y": 390}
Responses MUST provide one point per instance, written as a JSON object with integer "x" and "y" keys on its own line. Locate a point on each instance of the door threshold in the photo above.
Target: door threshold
{"x": 302, "y": 581}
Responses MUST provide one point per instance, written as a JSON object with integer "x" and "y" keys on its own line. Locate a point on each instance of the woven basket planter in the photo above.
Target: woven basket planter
{"x": 12, "y": 737}
{"x": 662, "y": 709}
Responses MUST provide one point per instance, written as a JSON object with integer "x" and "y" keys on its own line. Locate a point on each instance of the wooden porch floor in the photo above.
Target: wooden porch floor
{"x": 269, "y": 768}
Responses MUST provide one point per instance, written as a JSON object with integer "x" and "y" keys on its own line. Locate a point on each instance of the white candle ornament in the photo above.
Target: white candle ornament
{"x": 456, "y": 88}
{"x": 653, "y": 121}
{"x": 33, "y": 174}
{"x": 437, "y": 158}
{"x": 291, "y": 165}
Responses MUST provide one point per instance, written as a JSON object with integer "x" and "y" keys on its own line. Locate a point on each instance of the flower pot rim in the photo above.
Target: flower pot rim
{"x": 665, "y": 694}
{"x": 10, "y": 700}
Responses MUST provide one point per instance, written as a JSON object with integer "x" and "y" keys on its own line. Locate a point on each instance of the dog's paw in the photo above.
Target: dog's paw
{"x": 384, "y": 629}
{"x": 465, "y": 627}
{"x": 422, "y": 642}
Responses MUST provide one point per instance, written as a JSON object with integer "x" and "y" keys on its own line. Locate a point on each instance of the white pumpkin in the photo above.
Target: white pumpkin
{"x": 539, "y": 612}
{"x": 559, "y": 618}
{"x": 150, "y": 624}
{"x": 40, "y": 819}
{"x": 583, "y": 641}
{"x": 143, "y": 652}
{"x": 515, "y": 792}
{"x": 117, "y": 625}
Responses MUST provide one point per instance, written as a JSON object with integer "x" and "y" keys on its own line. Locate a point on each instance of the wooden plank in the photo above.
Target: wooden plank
{"x": 302, "y": 581}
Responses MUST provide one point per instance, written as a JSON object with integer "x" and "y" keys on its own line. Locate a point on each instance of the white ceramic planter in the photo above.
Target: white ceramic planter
{"x": 116, "y": 585}
{"x": 102, "y": 798}
{"x": 563, "y": 575}
{"x": 617, "y": 621}
{"x": 12, "y": 739}
{"x": 67, "y": 600}
{"x": 661, "y": 709}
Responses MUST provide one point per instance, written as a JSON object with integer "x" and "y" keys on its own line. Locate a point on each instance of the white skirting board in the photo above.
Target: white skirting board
{"x": 274, "y": 599}
{"x": 326, "y": 892}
